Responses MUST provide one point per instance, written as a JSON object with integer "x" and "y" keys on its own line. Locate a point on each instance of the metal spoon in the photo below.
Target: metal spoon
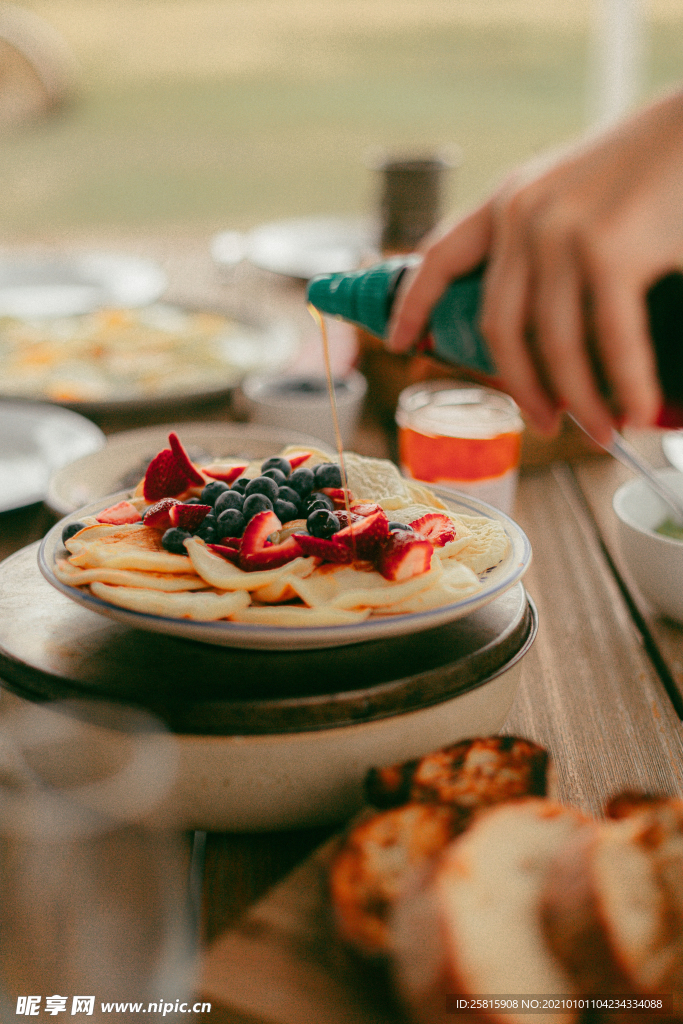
{"x": 623, "y": 452}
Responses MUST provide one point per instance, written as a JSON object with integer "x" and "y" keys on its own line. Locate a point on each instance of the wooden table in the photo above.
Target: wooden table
{"x": 600, "y": 689}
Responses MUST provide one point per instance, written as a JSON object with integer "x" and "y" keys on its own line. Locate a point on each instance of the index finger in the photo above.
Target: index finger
{"x": 458, "y": 252}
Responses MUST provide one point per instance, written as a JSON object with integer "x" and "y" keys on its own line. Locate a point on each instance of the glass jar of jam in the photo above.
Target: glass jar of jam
{"x": 463, "y": 436}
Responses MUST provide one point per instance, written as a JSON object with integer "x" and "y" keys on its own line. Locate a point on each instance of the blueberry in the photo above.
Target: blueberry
{"x": 211, "y": 491}
{"x": 207, "y": 529}
{"x": 256, "y": 503}
{"x": 240, "y": 484}
{"x": 228, "y": 499}
{"x": 173, "y": 539}
{"x": 318, "y": 500}
{"x": 277, "y": 462}
{"x": 401, "y": 526}
{"x": 230, "y": 523}
{"x": 322, "y": 523}
{"x": 277, "y": 475}
{"x": 328, "y": 474}
{"x": 262, "y": 485}
{"x": 70, "y": 529}
{"x": 302, "y": 480}
{"x": 285, "y": 510}
{"x": 289, "y": 494}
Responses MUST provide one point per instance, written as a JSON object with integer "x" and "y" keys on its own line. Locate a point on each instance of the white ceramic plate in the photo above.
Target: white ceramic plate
{"x": 36, "y": 440}
{"x": 124, "y": 460}
{"x": 235, "y": 634}
{"x": 672, "y": 446}
{"x": 301, "y": 247}
{"x": 49, "y": 286}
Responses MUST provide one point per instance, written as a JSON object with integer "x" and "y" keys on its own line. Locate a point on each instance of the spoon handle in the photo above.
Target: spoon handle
{"x": 623, "y": 452}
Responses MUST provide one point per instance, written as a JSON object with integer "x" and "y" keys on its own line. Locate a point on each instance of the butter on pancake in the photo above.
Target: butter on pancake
{"x": 131, "y": 546}
{"x": 202, "y": 606}
{"x": 223, "y": 574}
{"x": 75, "y": 577}
{"x": 296, "y": 615}
{"x": 345, "y": 586}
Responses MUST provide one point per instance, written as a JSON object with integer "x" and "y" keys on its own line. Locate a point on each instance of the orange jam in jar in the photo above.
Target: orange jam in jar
{"x": 463, "y": 436}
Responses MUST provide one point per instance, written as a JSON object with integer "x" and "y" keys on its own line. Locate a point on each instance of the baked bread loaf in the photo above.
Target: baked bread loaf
{"x": 613, "y": 906}
{"x": 473, "y": 926}
{"x": 470, "y": 774}
{"x": 368, "y": 873}
{"x": 443, "y": 790}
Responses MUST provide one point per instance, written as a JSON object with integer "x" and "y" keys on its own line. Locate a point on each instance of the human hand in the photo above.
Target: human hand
{"x": 571, "y": 250}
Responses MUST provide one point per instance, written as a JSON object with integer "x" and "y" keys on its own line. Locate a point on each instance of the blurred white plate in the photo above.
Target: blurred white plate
{"x": 672, "y": 446}
{"x": 36, "y": 440}
{"x": 301, "y": 247}
{"x": 48, "y": 286}
{"x": 124, "y": 460}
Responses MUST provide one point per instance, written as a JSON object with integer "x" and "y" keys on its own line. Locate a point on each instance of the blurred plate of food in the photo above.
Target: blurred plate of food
{"x": 300, "y": 247}
{"x": 35, "y": 441}
{"x": 35, "y": 287}
{"x": 122, "y": 358}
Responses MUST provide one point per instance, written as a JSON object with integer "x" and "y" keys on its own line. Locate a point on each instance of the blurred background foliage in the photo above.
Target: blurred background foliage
{"x": 209, "y": 114}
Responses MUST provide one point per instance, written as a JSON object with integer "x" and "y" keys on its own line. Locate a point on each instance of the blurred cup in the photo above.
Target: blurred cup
{"x": 94, "y": 902}
{"x": 463, "y": 436}
{"x": 302, "y": 403}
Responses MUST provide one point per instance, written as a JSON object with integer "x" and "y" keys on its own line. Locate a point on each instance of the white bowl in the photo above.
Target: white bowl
{"x": 654, "y": 561}
{"x": 302, "y": 403}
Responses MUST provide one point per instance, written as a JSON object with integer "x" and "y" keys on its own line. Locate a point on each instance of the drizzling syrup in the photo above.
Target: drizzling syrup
{"x": 335, "y": 418}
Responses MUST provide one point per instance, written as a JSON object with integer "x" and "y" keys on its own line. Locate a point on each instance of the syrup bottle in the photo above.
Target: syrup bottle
{"x": 365, "y": 298}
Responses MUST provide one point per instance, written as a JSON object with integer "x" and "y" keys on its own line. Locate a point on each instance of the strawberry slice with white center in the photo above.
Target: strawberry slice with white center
{"x": 170, "y": 472}
{"x": 436, "y": 528}
{"x": 403, "y": 556}
{"x": 119, "y": 514}
{"x": 320, "y": 547}
{"x": 158, "y": 516}
{"x": 297, "y": 459}
{"x": 188, "y": 517}
{"x": 256, "y": 552}
{"x": 365, "y": 538}
{"x": 226, "y": 472}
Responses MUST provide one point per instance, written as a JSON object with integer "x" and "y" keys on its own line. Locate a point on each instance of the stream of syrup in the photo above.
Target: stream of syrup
{"x": 335, "y": 417}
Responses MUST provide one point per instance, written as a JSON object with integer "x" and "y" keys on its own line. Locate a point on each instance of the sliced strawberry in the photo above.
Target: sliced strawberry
{"x": 157, "y": 515}
{"x": 338, "y": 495}
{"x": 193, "y": 474}
{"x": 404, "y": 556}
{"x": 297, "y": 459}
{"x": 319, "y": 547}
{"x": 188, "y": 517}
{"x": 227, "y": 472}
{"x": 231, "y": 542}
{"x": 255, "y": 550}
{"x": 232, "y": 554}
{"x": 435, "y": 527}
{"x": 170, "y": 472}
{"x": 119, "y": 514}
{"x": 272, "y": 556}
{"x": 365, "y": 508}
{"x": 365, "y": 537}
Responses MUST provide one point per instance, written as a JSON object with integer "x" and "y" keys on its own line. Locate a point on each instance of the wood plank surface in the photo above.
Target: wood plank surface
{"x": 589, "y": 693}
{"x": 598, "y": 484}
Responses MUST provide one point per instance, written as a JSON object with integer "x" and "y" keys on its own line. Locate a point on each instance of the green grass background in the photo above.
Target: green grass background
{"x": 151, "y": 140}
